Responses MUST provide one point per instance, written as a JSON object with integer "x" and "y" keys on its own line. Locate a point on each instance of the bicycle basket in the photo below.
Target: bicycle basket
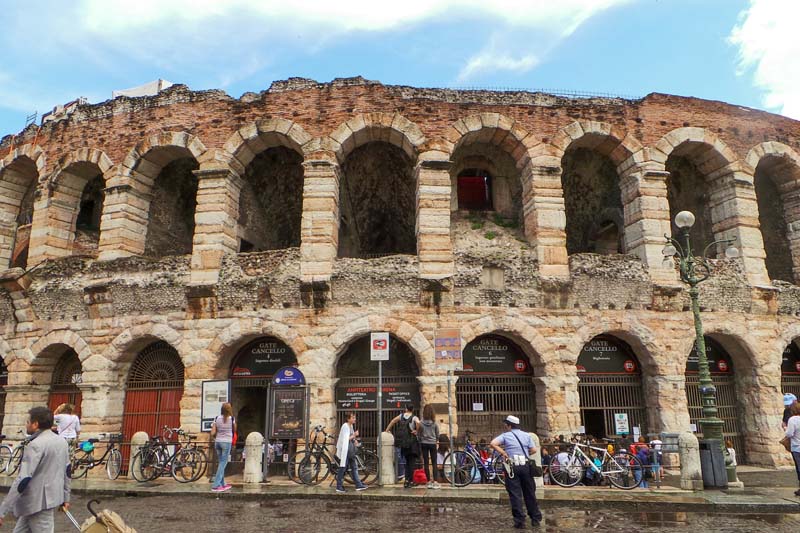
{"x": 87, "y": 446}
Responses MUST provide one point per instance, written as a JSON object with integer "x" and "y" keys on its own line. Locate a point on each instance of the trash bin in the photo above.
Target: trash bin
{"x": 712, "y": 464}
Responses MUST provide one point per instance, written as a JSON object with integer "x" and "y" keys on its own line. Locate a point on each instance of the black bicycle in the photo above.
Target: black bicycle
{"x": 83, "y": 458}
{"x": 159, "y": 456}
{"x": 313, "y": 465}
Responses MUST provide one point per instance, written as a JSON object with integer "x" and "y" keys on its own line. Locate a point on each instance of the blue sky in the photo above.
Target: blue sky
{"x": 738, "y": 51}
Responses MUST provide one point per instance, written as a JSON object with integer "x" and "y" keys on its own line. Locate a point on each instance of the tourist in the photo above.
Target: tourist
{"x": 546, "y": 458}
{"x": 428, "y": 437}
{"x": 643, "y": 454}
{"x": 223, "y": 430}
{"x": 731, "y": 451}
{"x": 68, "y": 425}
{"x": 42, "y": 483}
{"x": 789, "y": 399}
{"x": 656, "y": 458}
{"x": 406, "y": 440}
{"x": 516, "y": 446}
{"x": 793, "y": 432}
{"x": 346, "y": 452}
{"x": 441, "y": 453}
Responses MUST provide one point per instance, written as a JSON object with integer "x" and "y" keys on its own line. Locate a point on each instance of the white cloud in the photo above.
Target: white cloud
{"x": 489, "y": 61}
{"x": 769, "y": 49}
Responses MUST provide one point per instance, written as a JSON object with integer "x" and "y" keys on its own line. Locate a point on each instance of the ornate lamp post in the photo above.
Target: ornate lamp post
{"x": 694, "y": 270}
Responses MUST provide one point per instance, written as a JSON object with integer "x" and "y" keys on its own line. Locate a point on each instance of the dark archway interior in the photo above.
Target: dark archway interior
{"x": 377, "y": 201}
{"x": 87, "y": 225}
{"x": 271, "y": 201}
{"x": 355, "y": 362}
{"x": 770, "y": 174}
{"x": 592, "y": 201}
{"x": 171, "y": 225}
{"x": 687, "y": 190}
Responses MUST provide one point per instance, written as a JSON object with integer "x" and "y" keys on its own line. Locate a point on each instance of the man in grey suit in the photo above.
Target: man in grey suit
{"x": 42, "y": 484}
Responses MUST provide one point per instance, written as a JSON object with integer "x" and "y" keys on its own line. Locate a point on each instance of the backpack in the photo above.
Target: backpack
{"x": 403, "y": 438}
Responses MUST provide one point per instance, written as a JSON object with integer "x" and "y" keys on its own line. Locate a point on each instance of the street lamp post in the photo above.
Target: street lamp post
{"x": 694, "y": 270}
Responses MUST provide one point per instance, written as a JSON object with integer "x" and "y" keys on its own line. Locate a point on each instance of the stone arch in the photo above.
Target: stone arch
{"x": 122, "y": 351}
{"x": 606, "y": 139}
{"x": 776, "y": 179}
{"x": 494, "y": 129}
{"x": 250, "y": 140}
{"x": 712, "y": 153}
{"x": 640, "y": 338}
{"x": 40, "y": 348}
{"x": 148, "y": 157}
{"x": 411, "y": 336}
{"x": 537, "y": 348}
{"x": 394, "y": 129}
{"x": 225, "y": 345}
{"x": 20, "y": 173}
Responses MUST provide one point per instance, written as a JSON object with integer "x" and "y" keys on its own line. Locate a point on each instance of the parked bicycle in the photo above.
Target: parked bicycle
{"x": 313, "y": 465}
{"x": 83, "y": 459}
{"x": 467, "y": 466}
{"x": 570, "y": 467}
{"x": 181, "y": 459}
{"x": 5, "y": 454}
{"x": 16, "y": 455}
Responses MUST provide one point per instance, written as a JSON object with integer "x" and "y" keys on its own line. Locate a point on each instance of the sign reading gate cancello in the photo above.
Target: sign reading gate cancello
{"x": 791, "y": 359}
{"x": 495, "y": 355}
{"x": 262, "y": 358}
{"x": 605, "y": 356}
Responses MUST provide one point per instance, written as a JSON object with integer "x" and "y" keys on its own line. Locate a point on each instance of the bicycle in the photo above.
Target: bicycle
{"x": 568, "y": 468}
{"x": 5, "y": 454}
{"x": 16, "y": 456}
{"x": 185, "y": 463}
{"x": 82, "y": 459}
{"x": 313, "y": 465}
{"x": 467, "y": 464}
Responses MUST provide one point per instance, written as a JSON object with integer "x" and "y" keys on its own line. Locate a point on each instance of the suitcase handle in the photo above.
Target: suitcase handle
{"x": 89, "y": 506}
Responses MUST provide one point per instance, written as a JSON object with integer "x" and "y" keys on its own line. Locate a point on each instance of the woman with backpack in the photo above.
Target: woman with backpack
{"x": 405, "y": 438}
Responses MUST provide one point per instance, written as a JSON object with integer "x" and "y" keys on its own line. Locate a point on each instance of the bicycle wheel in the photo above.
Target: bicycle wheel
{"x": 5, "y": 456}
{"x": 203, "y": 459}
{"x": 620, "y": 468}
{"x": 367, "y": 464}
{"x": 463, "y": 469}
{"x": 146, "y": 464}
{"x": 186, "y": 466}
{"x": 80, "y": 465}
{"x": 293, "y": 465}
{"x": 497, "y": 465}
{"x": 314, "y": 469}
{"x": 16, "y": 459}
{"x": 114, "y": 464}
{"x": 567, "y": 473}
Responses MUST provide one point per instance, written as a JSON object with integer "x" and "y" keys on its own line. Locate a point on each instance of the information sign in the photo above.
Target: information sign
{"x": 379, "y": 346}
{"x": 214, "y": 394}
{"x": 621, "y": 423}
{"x": 288, "y": 413}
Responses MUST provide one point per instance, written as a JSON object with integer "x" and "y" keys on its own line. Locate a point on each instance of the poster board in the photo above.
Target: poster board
{"x": 214, "y": 394}
{"x": 288, "y": 413}
{"x": 447, "y": 348}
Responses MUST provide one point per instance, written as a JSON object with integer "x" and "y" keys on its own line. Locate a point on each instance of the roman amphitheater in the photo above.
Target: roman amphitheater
{"x": 151, "y": 244}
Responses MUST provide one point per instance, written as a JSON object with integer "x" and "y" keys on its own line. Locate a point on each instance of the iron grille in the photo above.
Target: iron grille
{"x": 727, "y": 409}
{"x": 367, "y": 419}
{"x": 790, "y": 384}
{"x": 67, "y": 373}
{"x": 156, "y": 367}
{"x": 613, "y": 393}
{"x": 484, "y": 401}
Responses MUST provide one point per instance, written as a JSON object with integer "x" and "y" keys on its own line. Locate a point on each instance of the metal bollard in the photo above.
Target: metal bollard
{"x": 139, "y": 438}
{"x": 254, "y": 457}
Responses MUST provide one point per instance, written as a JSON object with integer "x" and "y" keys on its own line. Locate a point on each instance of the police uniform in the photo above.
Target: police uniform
{"x": 521, "y": 487}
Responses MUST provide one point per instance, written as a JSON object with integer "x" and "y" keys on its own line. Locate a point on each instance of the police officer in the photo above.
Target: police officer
{"x": 516, "y": 445}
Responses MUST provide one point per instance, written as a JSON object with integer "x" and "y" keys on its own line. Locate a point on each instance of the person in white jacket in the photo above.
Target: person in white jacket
{"x": 346, "y": 452}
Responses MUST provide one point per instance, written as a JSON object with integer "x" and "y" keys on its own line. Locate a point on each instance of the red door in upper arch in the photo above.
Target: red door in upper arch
{"x": 67, "y": 374}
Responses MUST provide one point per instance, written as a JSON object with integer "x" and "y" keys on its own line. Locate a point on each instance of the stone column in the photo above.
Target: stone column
{"x": 123, "y": 225}
{"x": 190, "y": 404}
{"x": 215, "y": 222}
{"x": 646, "y": 208}
{"x": 667, "y": 407}
{"x": 102, "y": 404}
{"x": 21, "y": 398}
{"x": 433, "y": 389}
{"x": 545, "y": 217}
{"x": 558, "y": 409}
{"x": 734, "y": 214}
{"x": 319, "y": 233}
{"x": 433, "y": 217}
{"x": 8, "y": 230}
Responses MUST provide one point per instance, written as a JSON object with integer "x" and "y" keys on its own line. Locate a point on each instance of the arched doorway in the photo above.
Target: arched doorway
{"x": 153, "y": 393}
{"x": 497, "y": 381}
{"x": 66, "y": 377}
{"x": 610, "y": 383}
{"x": 251, "y": 373}
{"x": 790, "y": 369}
{"x": 357, "y": 387}
{"x": 723, "y": 378}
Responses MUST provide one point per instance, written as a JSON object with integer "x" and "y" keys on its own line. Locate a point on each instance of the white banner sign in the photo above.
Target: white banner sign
{"x": 379, "y": 347}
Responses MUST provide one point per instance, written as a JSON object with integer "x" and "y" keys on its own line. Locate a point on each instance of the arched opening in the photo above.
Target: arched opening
{"x": 251, "y": 373}
{"x": 17, "y": 191}
{"x": 790, "y": 369}
{"x": 687, "y": 190}
{"x": 592, "y": 202}
{"x": 610, "y": 384}
{"x": 90, "y": 210}
{"x": 497, "y": 380}
{"x": 357, "y": 386}
{"x": 778, "y": 198}
{"x": 170, "y": 228}
{"x": 728, "y": 407}
{"x": 153, "y": 393}
{"x": 486, "y": 191}
{"x": 271, "y": 201}
{"x": 67, "y": 374}
{"x": 377, "y": 202}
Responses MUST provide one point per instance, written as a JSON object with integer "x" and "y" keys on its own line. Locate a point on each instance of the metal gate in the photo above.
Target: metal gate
{"x": 153, "y": 394}
{"x": 790, "y": 383}
{"x": 66, "y": 376}
{"x": 484, "y": 401}
{"x": 3, "y": 383}
{"x": 613, "y": 393}
{"x": 367, "y": 418}
{"x": 727, "y": 409}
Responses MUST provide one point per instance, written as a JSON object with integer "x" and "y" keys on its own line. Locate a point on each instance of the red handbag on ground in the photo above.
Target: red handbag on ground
{"x": 420, "y": 478}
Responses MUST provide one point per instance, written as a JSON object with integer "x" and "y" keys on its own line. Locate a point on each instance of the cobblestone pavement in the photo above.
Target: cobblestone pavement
{"x": 200, "y": 514}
